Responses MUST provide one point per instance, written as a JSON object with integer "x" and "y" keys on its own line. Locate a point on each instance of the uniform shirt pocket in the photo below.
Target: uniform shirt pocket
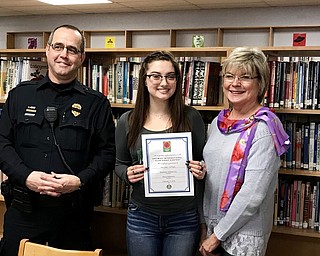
{"x": 28, "y": 130}
{"x": 74, "y": 134}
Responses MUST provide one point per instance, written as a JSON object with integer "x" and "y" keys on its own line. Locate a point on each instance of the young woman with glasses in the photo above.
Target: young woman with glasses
{"x": 166, "y": 225}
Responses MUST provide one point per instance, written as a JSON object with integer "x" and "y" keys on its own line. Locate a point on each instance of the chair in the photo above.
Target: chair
{"x": 27, "y": 248}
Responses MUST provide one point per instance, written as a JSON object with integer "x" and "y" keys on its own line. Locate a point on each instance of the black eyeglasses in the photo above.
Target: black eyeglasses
{"x": 156, "y": 78}
{"x": 60, "y": 47}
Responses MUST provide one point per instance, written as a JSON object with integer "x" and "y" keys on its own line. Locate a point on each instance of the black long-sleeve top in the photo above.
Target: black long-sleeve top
{"x": 84, "y": 129}
{"x": 127, "y": 157}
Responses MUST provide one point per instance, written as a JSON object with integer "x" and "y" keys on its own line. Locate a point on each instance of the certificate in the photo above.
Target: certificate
{"x": 166, "y": 154}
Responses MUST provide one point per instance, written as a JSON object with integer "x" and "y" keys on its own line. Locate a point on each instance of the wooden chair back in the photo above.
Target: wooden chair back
{"x": 28, "y": 248}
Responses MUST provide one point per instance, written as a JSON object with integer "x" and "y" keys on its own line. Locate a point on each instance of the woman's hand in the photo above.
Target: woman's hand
{"x": 135, "y": 173}
{"x": 203, "y": 233}
{"x": 197, "y": 168}
{"x": 209, "y": 245}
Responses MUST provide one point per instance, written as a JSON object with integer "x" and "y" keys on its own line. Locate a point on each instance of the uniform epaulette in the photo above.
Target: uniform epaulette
{"x": 24, "y": 83}
{"x": 92, "y": 92}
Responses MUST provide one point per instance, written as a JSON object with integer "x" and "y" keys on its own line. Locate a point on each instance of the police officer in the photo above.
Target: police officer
{"x": 56, "y": 146}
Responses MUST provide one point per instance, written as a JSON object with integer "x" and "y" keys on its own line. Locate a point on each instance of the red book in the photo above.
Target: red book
{"x": 272, "y": 83}
{"x": 294, "y": 204}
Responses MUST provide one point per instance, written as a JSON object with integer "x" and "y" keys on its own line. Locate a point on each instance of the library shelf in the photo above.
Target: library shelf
{"x": 296, "y": 231}
{"x": 112, "y": 210}
{"x": 200, "y": 108}
{"x": 299, "y": 172}
{"x": 297, "y": 111}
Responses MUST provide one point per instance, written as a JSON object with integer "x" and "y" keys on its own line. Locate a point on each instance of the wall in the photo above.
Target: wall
{"x": 307, "y": 15}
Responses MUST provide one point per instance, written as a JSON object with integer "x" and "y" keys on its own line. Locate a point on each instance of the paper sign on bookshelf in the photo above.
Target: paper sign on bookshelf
{"x": 110, "y": 42}
{"x": 198, "y": 41}
{"x": 299, "y": 39}
{"x": 32, "y": 42}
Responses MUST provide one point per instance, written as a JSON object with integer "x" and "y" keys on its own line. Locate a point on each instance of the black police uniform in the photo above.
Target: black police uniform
{"x": 84, "y": 130}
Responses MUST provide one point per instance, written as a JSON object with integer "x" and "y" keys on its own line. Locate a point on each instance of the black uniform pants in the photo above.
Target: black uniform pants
{"x": 64, "y": 227}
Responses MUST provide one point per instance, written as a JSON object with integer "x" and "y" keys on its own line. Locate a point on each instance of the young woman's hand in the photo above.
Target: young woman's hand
{"x": 135, "y": 173}
{"x": 197, "y": 168}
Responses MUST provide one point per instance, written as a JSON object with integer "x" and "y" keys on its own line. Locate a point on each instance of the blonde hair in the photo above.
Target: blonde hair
{"x": 254, "y": 63}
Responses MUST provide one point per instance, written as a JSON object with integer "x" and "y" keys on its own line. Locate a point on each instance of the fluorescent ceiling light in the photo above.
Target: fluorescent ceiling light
{"x": 74, "y": 2}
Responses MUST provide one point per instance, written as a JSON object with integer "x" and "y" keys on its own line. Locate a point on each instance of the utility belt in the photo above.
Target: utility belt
{"x": 26, "y": 201}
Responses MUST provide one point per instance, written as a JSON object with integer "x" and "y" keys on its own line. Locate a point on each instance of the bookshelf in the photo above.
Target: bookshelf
{"x": 275, "y": 41}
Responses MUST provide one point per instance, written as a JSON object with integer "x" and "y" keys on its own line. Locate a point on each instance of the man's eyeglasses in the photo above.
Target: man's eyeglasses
{"x": 244, "y": 79}
{"x": 70, "y": 49}
{"x": 156, "y": 79}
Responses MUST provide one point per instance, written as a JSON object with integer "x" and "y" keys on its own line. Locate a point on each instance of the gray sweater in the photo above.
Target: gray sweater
{"x": 251, "y": 212}
{"x": 126, "y": 157}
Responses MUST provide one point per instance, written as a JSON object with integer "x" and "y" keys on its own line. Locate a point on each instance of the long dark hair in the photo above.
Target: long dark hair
{"x": 139, "y": 114}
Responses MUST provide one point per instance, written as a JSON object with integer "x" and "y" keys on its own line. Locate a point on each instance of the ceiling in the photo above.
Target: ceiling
{"x": 33, "y": 7}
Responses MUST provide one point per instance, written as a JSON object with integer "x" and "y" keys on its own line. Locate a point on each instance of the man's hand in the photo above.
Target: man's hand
{"x": 52, "y": 184}
{"x": 69, "y": 182}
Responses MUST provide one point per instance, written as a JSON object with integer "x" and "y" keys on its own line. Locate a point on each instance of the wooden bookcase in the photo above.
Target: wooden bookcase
{"x": 275, "y": 41}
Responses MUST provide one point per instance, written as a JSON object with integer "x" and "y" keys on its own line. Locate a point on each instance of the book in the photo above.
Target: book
{"x": 106, "y": 198}
{"x": 306, "y": 138}
{"x": 213, "y": 80}
{"x": 198, "y": 82}
{"x": 34, "y": 70}
{"x": 312, "y": 164}
{"x": 283, "y": 85}
{"x": 281, "y": 202}
{"x": 3, "y": 76}
{"x": 298, "y": 146}
{"x": 272, "y": 66}
{"x": 119, "y": 83}
{"x": 289, "y": 153}
{"x": 276, "y": 204}
{"x": 306, "y": 205}
{"x": 316, "y": 205}
{"x": 189, "y": 86}
{"x": 277, "y": 87}
{"x": 294, "y": 204}
{"x": 135, "y": 68}
{"x": 301, "y": 204}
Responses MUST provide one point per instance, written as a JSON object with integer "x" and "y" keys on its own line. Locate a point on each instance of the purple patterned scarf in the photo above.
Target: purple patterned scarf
{"x": 247, "y": 127}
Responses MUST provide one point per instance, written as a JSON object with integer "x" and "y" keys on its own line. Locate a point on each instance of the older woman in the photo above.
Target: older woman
{"x": 242, "y": 156}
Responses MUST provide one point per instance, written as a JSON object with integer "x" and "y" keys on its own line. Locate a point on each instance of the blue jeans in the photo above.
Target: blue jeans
{"x": 149, "y": 234}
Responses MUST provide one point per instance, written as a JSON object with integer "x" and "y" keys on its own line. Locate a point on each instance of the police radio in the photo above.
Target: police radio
{"x": 51, "y": 115}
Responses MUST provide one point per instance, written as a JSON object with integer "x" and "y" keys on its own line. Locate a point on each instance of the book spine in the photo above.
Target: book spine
{"x": 306, "y": 204}
{"x": 272, "y": 83}
{"x": 311, "y": 166}
{"x": 276, "y": 204}
{"x": 306, "y": 147}
{"x": 301, "y": 206}
{"x": 294, "y": 203}
{"x": 119, "y": 82}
